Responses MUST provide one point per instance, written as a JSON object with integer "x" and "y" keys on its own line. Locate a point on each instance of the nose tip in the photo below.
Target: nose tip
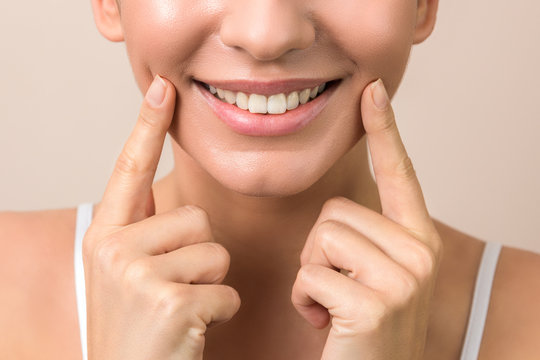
{"x": 267, "y": 29}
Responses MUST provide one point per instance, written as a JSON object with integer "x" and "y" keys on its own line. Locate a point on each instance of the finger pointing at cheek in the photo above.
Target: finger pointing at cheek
{"x": 401, "y": 196}
{"x": 128, "y": 191}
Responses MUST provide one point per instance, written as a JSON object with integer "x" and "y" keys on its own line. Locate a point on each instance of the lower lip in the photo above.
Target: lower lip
{"x": 245, "y": 123}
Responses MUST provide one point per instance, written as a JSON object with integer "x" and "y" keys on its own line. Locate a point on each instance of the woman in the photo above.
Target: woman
{"x": 270, "y": 224}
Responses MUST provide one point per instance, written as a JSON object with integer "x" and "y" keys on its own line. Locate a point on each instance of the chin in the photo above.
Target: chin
{"x": 267, "y": 190}
{"x": 258, "y": 173}
{"x": 266, "y": 175}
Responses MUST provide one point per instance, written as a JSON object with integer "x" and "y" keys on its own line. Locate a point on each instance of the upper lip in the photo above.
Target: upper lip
{"x": 266, "y": 87}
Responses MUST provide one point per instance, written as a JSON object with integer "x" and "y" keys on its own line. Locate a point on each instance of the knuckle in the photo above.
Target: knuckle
{"x": 372, "y": 316}
{"x": 407, "y": 291}
{"x": 234, "y": 297}
{"x": 405, "y": 168}
{"x": 379, "y": 314}
{"x": 423, "y": 260}
{"x": 217, "y": 250}
{"x": 306, "y": 274}
{"x": 126, "y": 163}
{"x": 228, "y": 296}
{"x": 89, "y": 243}
{"x": 387, "y": 123}
{"x": 171, "y": 301}
{"x": 138, "y": 271}
{"x": 332, "y": 205}
{"x": 196, "y": 212}
{"x": 197, "y": 218}
{"x": 148, "y": 119}
{"x": 110, "y": 255}
{"x": 221, "y": 259}
{"x": 325, "y": 233}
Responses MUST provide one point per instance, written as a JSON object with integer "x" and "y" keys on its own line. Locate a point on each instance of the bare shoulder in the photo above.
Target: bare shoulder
{"x": 453, "y": 293}
{"x": 513, "y": 320}
{"x": 34, "y": 238}
{"x": 513, "y": 323}
{"x": 35, "y": 278}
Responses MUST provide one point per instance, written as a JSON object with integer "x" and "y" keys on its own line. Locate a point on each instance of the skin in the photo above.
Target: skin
{"x": 282, "y": 227}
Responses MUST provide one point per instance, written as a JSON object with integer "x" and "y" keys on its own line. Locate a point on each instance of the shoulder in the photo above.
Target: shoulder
{"x": 33, "y": 241}
{"x": 513, "y": 320}
{"x": 36, "y": 256}
{"x": 34, "y": 235}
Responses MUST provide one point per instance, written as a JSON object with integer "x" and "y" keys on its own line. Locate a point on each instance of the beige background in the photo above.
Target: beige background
{"x": 467, "y": 110}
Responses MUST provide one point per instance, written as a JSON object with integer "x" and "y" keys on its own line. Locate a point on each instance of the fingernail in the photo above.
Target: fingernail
{"x": 156, "y": 93}
{"x": 379, "y": 95}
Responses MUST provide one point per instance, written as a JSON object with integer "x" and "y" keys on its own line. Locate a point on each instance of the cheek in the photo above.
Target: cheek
{"x": 161, "y": 36}
{"x": 375, "y": 35}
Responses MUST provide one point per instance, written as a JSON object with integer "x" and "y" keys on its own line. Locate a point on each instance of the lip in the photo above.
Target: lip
{"x": 245, "y": 123}
{"x": 266, "y": 87}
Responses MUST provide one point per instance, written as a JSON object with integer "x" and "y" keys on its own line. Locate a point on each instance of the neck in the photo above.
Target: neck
{"x": 264, "y": 230}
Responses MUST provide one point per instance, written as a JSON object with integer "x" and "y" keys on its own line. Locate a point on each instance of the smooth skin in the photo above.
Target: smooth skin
{"x": 335, "y": 267}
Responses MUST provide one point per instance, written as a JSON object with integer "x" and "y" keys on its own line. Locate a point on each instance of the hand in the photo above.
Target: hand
{"x": 379, "y": 302}
{"x": 152, "y": 280}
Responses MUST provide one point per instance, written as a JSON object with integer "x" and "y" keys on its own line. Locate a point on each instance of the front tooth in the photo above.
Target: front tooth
{"x": 257, "y": 104}
{"x": 292, "y": 100}
{"x": 221, "y": 93}
{"x": 322, "y": 87}
{"x": 230, "y": 97}
{"x": 212, "y": 89}
{"x": 242, "y": 100}
{"x": 314, "y": 92}
{"x": 304, "y": 96}
{"x": 277, "y": 104}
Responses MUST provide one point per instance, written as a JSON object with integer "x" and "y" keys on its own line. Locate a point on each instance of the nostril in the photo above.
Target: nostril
{"x": 268, "y": 30}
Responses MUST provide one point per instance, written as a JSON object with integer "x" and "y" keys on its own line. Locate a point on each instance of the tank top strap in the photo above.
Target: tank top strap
{"x": 84, "y": 218}
{"x": 480, "y": 303}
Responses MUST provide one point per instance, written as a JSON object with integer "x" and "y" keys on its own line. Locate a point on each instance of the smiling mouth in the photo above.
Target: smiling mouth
{"x": 269, "y": 104}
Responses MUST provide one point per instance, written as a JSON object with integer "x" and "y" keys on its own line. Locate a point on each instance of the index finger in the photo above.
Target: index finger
{"x": 129, "y": 188}
{"x": 400, "y": 193}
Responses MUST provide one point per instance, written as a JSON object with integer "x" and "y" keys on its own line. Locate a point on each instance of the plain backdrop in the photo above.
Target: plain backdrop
{"x": 467, "y": 110}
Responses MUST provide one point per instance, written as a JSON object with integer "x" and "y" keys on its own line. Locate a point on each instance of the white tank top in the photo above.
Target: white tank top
{"x": 477, "y": 316}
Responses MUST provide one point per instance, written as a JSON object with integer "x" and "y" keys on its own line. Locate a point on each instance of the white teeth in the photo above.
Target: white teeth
{"x": 230, "y": 97}
{"x": 304, "y": 96}
{"x": 242, "y": 101}
{"x": 277, "y": 104}
{"x": 314, "y": 92}
{"x": 274, "y": 104}
{"x": 221, "y": 93}
{"x": 257, "y": 104}
{"x": 292, "y": 100}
